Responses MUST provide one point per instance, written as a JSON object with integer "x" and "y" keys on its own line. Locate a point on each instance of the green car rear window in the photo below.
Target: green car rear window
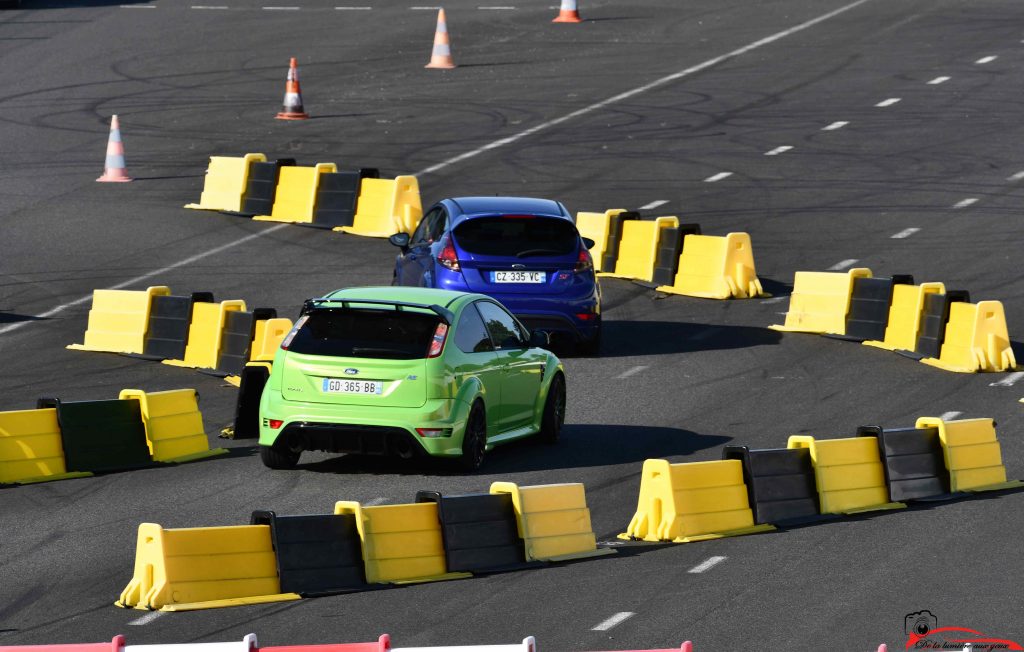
{"x": 369, "y": 333}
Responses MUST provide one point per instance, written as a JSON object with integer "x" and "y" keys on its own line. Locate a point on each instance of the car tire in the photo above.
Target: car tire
{"x": 554, "y": 411}
{"x": 474, "y": 439}
{"x": 279, "y": 457}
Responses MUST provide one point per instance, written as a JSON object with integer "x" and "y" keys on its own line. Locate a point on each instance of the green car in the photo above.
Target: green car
{"x": 408, "y": 371}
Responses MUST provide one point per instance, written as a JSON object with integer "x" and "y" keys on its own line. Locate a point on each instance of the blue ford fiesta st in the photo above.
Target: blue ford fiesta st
{"x": 524, "y": 252}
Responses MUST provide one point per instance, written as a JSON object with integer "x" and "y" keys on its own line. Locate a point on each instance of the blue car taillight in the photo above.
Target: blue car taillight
{"x": 584, "y": 262}
{"x": 448, "y": 257}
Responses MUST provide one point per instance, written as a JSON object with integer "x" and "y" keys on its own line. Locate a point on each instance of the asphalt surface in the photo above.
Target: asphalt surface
{"x": 717, "y": 85}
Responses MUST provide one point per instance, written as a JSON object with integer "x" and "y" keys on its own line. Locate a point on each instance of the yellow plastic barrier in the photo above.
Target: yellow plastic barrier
{"x": 30, "y": 447}
{"x": 267, "y": 337}
{"x": 553, "y": 521}
{"x": 203, "y": 568}
{"x": 225, "y": 183}
{"x": 694, "y": 501}
{"x": 905, "y": 314}
{"x": 174, "y": 425}
{"x": 976, "y": 339}
{"x": 118, "y": 320}
{"x": 972, "y": 453}
{"x": 848, "y": 473}
{"x": 386, "y": 207}
{"x": 295, "y": 198}
{"x": 638, "y": 248}
{"x": 715, "y": 267}
{"x": 204, "y": 334}
{"x": 595, "y": 226}
{"x": 401, "y": 543}
{"x": 820, "y": 301}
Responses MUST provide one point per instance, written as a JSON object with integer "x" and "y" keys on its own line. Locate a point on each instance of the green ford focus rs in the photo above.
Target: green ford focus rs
{"x": 408, "y": 371}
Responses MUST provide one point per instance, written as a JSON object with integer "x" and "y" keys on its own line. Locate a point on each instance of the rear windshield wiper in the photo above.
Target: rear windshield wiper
{"x": 536, "y": 252}
{"x": 379, "y": 349}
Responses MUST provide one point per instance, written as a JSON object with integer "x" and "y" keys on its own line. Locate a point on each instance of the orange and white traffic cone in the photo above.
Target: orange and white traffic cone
{"x": 441, "y": 57}
{"x": 568, "y": 13}
{"x": 113, "y": 167}
{"x": 292, "y": 96}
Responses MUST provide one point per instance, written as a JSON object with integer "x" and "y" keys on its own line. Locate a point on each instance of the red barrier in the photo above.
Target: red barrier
{"x": 115, "y": 645}
{"x": 382, "y": 644}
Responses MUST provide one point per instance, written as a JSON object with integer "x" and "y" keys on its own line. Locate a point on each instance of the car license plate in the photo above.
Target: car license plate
{"x": 517, "y": 277}
{"x": 342, "y": 386}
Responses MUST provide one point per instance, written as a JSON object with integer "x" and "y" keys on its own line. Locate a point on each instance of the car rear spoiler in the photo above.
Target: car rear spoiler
{"x": 447, "y": 316}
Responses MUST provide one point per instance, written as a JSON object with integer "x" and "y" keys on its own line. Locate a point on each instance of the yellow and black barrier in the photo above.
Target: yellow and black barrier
{"x": 169, "y": 319}
{"x": 976, "y": 339}
{"x": 716, "y": 267}
{"x": 907, "y": 316}
{"x": 73, "y": 439}
{"x": 849, "y": 474}
{"x": 295, "y": 198}
{"x": 597, "y": 227}
{"x": 821, "y": 301}
{"x": 205, "y": 334}
{"x": 225, "y": 183}
{"x": 638, "y": 248}
{"x": 386, "y": 207}
{"x": 119, "y": 319}
{"x": 972, "y": 454}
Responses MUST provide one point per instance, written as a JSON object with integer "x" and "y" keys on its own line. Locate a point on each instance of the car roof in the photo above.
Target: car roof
{"x": 471, "y": 206}
{"x": 425, "y": 296}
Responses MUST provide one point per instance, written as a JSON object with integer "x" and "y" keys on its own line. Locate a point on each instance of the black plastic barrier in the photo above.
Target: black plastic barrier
{"x": 169, "y": 320}
{"x": 101, "y": 436}
{"x": 236, "y": 338}
{"x": 261, "y": 187}
{"x": 933, "y": 323}
{"x": 337, "y": 196}
{"x": 317, "y": 554}
{"x": 670, "y": 246}
{"x": 480, "y": 531}
{"x": 913, "y": 461}
{"x": 869, "y": 306}
{"x": 611, "y": 249}
{"x": 247, "y": 407}
{"x": 780, "y": 483}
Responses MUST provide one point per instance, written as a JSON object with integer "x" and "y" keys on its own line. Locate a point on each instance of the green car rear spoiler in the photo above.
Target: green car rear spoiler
{"x": 447, "y": 316}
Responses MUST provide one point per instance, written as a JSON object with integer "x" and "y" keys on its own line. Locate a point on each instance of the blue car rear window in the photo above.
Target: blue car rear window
{"x": 370, "y": 333}
{"x": 521, "y": 237}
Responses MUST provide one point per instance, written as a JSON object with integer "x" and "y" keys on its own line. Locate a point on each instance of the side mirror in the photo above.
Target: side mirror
{"x": 540, "y": 339}
{"x": 587, "y": 242}
{"x": 400, "y": 240}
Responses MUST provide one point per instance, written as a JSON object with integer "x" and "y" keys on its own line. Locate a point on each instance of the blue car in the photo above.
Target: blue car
{"x": 524, "y": 252}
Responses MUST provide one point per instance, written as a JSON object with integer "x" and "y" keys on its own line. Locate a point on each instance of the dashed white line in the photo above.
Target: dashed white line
{"x": 1008, "y": 380}
{"x": 835, "y": 125}
{"x": 654, "y": 204}
{"x": 424, "y": 8}
{"x": 281, "y": 8}
{"x": 939, "y": 80}
{"x": 707, "y": 564}
{"x": 632, "y": 372}
{"x": 496, "y": 8}
{"x": 613, "y": 621}
{"x": 988, "y": 59}
{"x": 964, "y": 203}
{"x": 843, "y": 264}
{"x": 718, "y": 177}
{"x": 146, "y": 619}
{"x": 888, "y": 102}
{"x": 905, "y": 233}
{"x": 353, "y": 8}
{"x": 207, "y": 7}
{"x": 949, "y": 416}
{"x": 778, "y": 150}
{"x": 1015, "y": 177}
{"x": 661, "y": 81}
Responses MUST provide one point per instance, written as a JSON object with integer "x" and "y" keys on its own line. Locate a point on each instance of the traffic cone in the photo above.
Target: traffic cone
{"x": 113, "y": 168}
{"x": 292, "y": 96}
{"x": 441, "y": 57}
{"x": 568, "y": 13}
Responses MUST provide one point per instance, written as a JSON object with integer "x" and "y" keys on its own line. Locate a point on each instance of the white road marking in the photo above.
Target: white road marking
{"x": 888, "y": 102}
{"x": 424, "y": 8}
{"x": 148, "y": 275}
{"x": 964, "y": 203}
{"x": 138, "y": 6}
{"x": 705, "y": 334}
{"x": 718, "y": 177}
{"x": 379, "y": 500}
{"x": 146, "y": 619}
{"x": 495, "y": 7}
{"x": 640, "y": 89}
{"x": 1015, "y": 177}
{"x": 353, "y": 8}
{"x": 1008, "y": 380}
{"x": 707, "y": 564}
{"x": 905, "y": 233}
{"x": 281, "y": 8}
{"x": 939, "y": 80}
{"x": 613, "y": 621}
{"x": 778, "y": 150}
{"x": 988, "y": 59}
{"x": 632, "y": 372}
{"x": 835, "y": 125}
{"x": 843, "y": 264}
{"x": 207, "y": 7}
{"x": 654, "y": 204}
{"x": 949, "y": 416}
